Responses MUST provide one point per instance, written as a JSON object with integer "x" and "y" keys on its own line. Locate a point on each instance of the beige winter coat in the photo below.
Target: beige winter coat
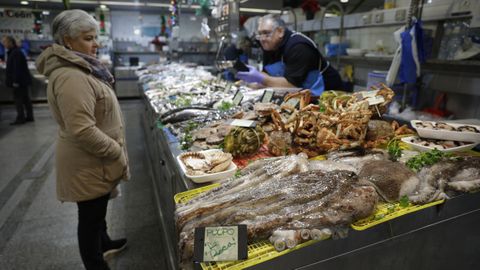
{"x": 91, "y": 153}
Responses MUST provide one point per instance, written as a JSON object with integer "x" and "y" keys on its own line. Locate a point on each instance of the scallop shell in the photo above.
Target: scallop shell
{"x": 195, "y": 161}
{"x": 218, "y": 157}
{"x": 221, "y": 167}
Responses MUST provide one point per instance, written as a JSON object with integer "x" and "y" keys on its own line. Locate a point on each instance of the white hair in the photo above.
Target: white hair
{"x": 72, "y": 23}
{"x": 276, "y": 20}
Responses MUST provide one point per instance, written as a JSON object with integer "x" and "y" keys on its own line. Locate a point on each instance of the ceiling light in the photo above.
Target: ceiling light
{"x": 259, "y": 10}
{"x": 46, "y": 12}
{"x": 343, "y": 1}
{"x": 103, "y": 6}
{"x": 24, "y": 3}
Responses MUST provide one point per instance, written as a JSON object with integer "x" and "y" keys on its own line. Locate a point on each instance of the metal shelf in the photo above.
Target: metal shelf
{"x": 468, "y": 66}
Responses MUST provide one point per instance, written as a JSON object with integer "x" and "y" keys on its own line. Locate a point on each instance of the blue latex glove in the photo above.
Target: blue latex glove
{"x": 251, "y": 76}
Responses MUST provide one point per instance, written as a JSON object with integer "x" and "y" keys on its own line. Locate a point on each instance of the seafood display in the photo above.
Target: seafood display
{"x": 445, "y": 126}
{"x": 278, "y": 194}
{"x": 198, "y": 163}
{"x": 447, "y": 131}
{"x": 422, "y": 144}
{"x": 174, "y": 86}
{"x": 339, "y": 122}
{"x": 357, "y": 161}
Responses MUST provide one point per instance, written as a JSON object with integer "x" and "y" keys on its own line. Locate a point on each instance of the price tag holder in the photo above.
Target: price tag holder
{"x": 375, "y": 100}
{"x": 226, "y": 243}
{"x": 228, "y": 87}
{"x": 267, "y": 96}
{"x": 365, "y": 94}
{"x": 237, "y": 98}
{"x": 242, "y": 123}
{"x": 292, "y": 102}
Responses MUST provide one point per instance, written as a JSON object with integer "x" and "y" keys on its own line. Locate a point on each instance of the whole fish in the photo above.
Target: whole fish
{"x": 184, "y": 115}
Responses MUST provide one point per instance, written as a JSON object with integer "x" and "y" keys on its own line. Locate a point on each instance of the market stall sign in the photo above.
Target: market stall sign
{"x": 267, "y": 96}
{"x": 228, "y": 243}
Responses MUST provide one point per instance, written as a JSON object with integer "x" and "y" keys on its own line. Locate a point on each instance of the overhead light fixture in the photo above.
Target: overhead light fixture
{"x": 259, "y": 10}
{"x": 46, "y": 12}
{"x": 24, "y": 3}
{"x": 343, "y": 1}
{"x": 103, "y": 6}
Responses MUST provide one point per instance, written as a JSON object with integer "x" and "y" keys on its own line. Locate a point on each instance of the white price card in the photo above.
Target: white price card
{"x": 226, "y": 243}
{"x": 242, "y": 123}
{"x": 237, "y": 98}
{"x": 267, "y": 96}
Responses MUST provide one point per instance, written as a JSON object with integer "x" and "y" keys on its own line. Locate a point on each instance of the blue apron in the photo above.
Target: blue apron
{"x": 314, "y": 80}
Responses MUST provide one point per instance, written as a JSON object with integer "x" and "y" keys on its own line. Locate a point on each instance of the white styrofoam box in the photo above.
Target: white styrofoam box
{"x": 210, "y": 177}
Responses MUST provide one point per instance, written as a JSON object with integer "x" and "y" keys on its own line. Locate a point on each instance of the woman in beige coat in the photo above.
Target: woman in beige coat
{"x": 91, "y": 154}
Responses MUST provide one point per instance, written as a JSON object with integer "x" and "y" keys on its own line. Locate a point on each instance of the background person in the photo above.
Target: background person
{"x": 18, "y": 78}
{"x": 290, "y": 59}
{"x": 91, "y": 156}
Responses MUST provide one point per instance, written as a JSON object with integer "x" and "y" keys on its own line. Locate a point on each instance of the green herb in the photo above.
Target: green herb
{"x": 225, "y": 106}
{"x": 404, "y": 202}
{"x": 379, "y": 216}
{"x": 186, "y": 141}
{"x": 187, "y": 138}
{"x": 183, "y": 102}
{"x": 417, "y": 162}
{"x": 238, "y": 173}
{"x": 191, "y": 125}
{"x": 394, "y": 149}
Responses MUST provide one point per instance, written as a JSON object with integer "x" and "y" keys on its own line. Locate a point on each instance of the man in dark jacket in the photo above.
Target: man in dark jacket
{"x": 290, "y": 59}
{"x": 18, "y": 77}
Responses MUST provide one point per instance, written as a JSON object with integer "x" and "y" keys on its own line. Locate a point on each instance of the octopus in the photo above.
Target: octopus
{"x": 275, "y": 195}
{"x": 447, "y": 178}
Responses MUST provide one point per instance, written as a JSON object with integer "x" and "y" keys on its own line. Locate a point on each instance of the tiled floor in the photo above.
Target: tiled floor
{"x": 39, "y": 232}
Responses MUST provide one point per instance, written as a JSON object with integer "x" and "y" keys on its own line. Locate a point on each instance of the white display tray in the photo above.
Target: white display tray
{"x": 423, "y": 148}
{"x": 446, "y": 134}
{"x": 210, "y": 177}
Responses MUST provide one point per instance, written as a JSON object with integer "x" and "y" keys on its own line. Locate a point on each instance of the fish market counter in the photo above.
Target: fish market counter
{"x": 444, "y": 236}
{"x": 168, "y": 180}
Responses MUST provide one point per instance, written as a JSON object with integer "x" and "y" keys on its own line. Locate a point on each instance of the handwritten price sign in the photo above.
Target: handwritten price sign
{"x": 227, "y": 243}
